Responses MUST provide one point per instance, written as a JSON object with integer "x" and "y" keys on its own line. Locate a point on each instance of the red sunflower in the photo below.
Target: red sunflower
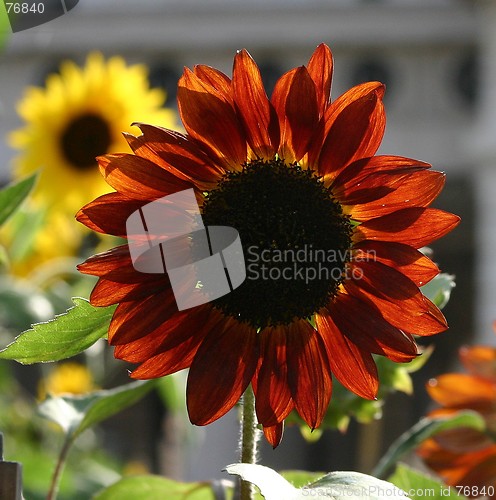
{"x": 462, "y": 456}
{"x": 293, "y": 172}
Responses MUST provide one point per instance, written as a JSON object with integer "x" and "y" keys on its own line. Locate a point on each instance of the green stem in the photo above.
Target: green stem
{"x": 59, "y": 468}
{"x": 249, "y": 439}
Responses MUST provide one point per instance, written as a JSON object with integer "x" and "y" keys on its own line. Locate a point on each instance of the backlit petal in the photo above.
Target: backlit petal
{"x": 208, "y": 118}
{"x": 351, "y": 365}
{"x": 215, "y": 387}
{"x": 257, "y": 113}
{"x": 309, "y": 374}
{"x": 416, "y": 227}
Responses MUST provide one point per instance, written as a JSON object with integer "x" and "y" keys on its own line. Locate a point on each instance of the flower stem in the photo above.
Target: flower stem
{"x": 249, "y": 439}
{"x": 57, "y": 474}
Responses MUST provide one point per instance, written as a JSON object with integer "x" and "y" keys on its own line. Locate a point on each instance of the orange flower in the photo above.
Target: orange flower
{"x": 293, "y": 172}
{"x": 461, "y": 456}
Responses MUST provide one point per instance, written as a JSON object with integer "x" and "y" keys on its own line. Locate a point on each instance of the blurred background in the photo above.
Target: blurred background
{"x": 438, "y": 61}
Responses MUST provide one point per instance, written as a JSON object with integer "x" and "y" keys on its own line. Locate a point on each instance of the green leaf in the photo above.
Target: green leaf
{"x": 75, "y": 414}
{"x": 420, "y": 486}
{"x": 62, "y": 337}
{"x": 423, "y": 430}
{"x": 155, "y": 488}
{"x": 13, "y": 195}
{"x": 271, "y": 484}
{"x": 336, "y": 485}
{"x": 4, "y": 25}
{"x": 439, "y": 289}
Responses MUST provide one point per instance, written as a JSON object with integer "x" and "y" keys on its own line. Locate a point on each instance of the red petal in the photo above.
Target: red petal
{"x": 176, "y": 153}
{"x": 108, "y": 213}
{"x": 133, "y": 320}
{"x": 258, "y": 115}
{"x": 295, "y": 100}
{"x": 355, "y": 123}
{"x": 416, "y": 226}
{"x": 460, "y": 390}
{"x": 364, "y": 325}
{"x": 362, "y": 168}
{"x": 400, "y": 301}
{"x": 210, "y": 119}
{"x": 320, "y": 68}
{"x": 480, "y": 360}
{"x": 309, "y": 375}
{"x": 216, "y": 79}
{"x": 409, "y": 261}
{"x": 273, "y": 434}
{"x": 172, "y": 346}
{"x": 272, "y": 394}
{"x": 221, "y": 371}
{"x": 352, "y": 366}
{"x": 105, "y": 262}
{"x": 107, "y": 292}
{"x": 138, "y": 178}
{"x": 383, "y": 193}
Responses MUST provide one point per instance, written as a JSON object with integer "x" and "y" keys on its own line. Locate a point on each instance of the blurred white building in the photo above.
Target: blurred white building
{"x": 437, "y": 58}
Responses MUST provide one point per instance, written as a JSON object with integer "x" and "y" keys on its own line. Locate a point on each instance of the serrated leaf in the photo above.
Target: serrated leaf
{"x": 75, "y": 414}
{"x": 64, "y": 336}
{"x": 419, "y": 485}
{"x": 422, "y": 430}
{"x": 336, "y": 485}
{"x": 155, "y": 488}
{"x": 439, "y": 289}
{"x": 13, "y": 195}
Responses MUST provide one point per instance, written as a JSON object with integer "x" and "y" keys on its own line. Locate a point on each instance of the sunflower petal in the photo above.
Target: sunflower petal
{"x": 272, "y": 393}
{"x": 133, "y": 320}
{"x": 358, "y": 170}
{"x": 461, "y": 390}
{"x": 479, "y": 360}
{"x": 364, "y": 326}
{"x": 216, "y": 79}
{"x": 173, "y": 152}
{"x": 273, "y": 434}
{"x": 355, "y": 125}
{"x": 214, "y": 388}
{"x": 139, "y": 178}
{"x": 309, "y": 373}
{"x": 405, "y": 259}
{"x": 295, "y": 100}
{"x": 172, "y": 346}
{"x": 208, "y": 118}
{"x": 415, "y": 226}
{"x": 400, "y": 301}
{"x": 108, "y": 214}
{"x": 382, "y": 194}
{"x": 257, "y": 113}
{"x": 320, "y": 68}
{"x": 352, "y": 366}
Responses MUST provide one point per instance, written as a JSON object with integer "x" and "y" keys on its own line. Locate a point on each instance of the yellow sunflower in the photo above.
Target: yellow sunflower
{"x": 79, "y": 114}
{"x": 67, "y": 378}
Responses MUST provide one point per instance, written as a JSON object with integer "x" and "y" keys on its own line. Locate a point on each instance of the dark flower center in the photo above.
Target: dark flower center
{"x": 295, "y": 238}
{"x": 85, "y": 138}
